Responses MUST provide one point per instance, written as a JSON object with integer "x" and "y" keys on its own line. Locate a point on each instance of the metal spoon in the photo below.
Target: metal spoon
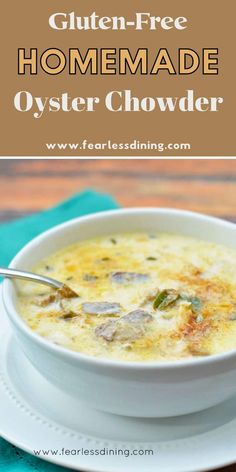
{"x": 41, "y": 279}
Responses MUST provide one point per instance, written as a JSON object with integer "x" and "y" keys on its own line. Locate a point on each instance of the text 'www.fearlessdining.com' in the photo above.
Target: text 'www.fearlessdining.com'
{"x": 135, "y": 145}
{"x": 93, "y": 452}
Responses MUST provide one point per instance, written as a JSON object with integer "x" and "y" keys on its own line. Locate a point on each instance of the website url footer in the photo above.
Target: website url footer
{"x": 109, "y": 145}
{"x": 93, "y": 452}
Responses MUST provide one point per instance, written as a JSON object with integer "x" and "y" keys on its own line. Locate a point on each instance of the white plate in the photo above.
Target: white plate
{"x": 34, "y": 415}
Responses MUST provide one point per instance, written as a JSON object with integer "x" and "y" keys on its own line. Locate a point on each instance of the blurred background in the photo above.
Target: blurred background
{"x": 208, "y": 186}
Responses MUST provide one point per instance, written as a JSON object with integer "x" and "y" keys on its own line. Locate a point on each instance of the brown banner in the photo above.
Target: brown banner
{"x": 57, "y": 104}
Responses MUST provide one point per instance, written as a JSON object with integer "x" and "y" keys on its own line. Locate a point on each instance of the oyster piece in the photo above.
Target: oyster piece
{"x": 128, "y": 328}
{"x": 62, "y": 293}
{"x": 101, "y": 308}
{"x": 66, "y": 292}
{"x": 106, "y": 330}
{"x": 137, "y": 316}
{"x": 45, "y": 300}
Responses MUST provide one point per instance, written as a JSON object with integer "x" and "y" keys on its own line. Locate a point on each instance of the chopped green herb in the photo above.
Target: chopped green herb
{"x": 68, "y": 316}
{"x": 47, "y": 267}
{"x": 196, "y": 304}
{"x": 165, "y": 298}
{"x": 150, "y": 258}
{"x": 104, "y": 259}
{"x": 113, "y": 240}
{"x": 89, "y": 278}
{"x": 196, "y": 307}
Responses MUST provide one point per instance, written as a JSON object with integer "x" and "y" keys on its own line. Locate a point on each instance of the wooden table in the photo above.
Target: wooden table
{"x": 208, "y": 186}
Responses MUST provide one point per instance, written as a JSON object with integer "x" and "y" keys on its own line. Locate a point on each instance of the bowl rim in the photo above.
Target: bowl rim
{"x": 104, "y": 362}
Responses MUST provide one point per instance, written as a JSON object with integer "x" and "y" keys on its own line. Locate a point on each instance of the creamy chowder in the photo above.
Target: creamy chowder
{"x": 141, "y": 297}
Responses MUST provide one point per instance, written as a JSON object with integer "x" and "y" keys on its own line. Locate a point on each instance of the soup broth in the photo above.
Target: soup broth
{"x": 141, "y": 297}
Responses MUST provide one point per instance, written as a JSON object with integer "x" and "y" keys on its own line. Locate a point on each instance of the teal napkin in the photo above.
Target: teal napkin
{"x": 13, "y": 236}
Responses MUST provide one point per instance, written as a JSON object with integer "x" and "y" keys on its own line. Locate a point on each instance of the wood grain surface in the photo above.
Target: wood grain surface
{"x": 208, "y": 186}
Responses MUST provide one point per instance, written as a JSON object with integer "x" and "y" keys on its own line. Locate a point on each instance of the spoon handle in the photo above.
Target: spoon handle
{"x": 21, "y": 274}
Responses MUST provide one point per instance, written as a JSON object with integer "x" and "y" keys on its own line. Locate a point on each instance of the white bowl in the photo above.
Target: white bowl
{"x": 151, "y": 389}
